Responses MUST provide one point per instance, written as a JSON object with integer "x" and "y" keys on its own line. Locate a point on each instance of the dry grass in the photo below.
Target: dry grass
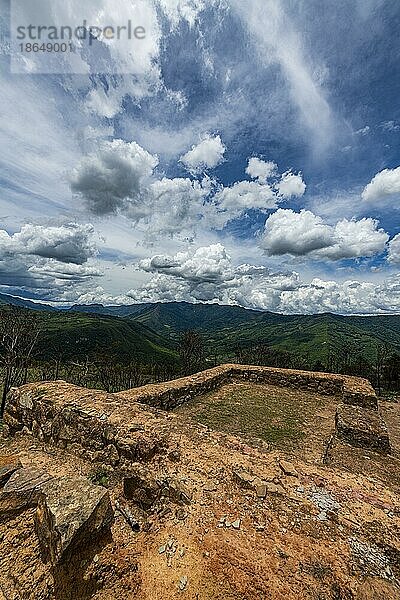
{"x": 282, "y": 417}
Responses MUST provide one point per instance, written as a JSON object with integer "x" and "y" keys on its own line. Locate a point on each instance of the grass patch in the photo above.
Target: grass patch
{"x": 279, "y": 416}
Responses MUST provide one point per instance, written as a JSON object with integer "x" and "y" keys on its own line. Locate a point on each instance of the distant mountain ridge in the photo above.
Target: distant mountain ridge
{"x": 114, "y": 311}
{"x": 309, "y": 335}
{"x": 227, "y": 327}
{"x": 23, "y": 303}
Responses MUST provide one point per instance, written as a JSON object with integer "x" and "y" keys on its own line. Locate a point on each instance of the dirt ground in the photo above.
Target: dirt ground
{"x": 323, "y": 532}
{"x": 370, "y": 464}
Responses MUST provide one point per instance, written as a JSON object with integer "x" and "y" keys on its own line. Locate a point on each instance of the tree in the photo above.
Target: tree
{"x": 191, "y": 351}
{"x": 392, "y": 371}
{"x": 19, "y": 331}
{"x": 382, "y": 353}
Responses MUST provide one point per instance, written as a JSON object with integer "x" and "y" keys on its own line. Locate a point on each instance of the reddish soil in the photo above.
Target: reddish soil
{"x": 330, "y": 533}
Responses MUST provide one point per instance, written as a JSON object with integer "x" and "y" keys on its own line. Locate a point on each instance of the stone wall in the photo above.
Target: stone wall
{"x": 362, "y": 427}
{"x": 117, "y": 429}
{"x": 171, "y": 394}
{"x": 98, "y": 426}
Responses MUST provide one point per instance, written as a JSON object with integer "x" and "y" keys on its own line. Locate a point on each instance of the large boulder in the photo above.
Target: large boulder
{"x": 71, "y": 511}
{"x": 21, "y": 491}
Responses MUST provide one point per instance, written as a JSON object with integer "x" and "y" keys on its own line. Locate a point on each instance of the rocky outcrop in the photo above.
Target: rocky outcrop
{"x": 98, "y": 426}
{"x": 359, "y": 392}
{"x": 262, "y": 488}
{"x": 71, "y": 511}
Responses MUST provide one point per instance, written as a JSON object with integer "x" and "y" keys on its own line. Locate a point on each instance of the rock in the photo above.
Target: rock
{"x": 371, "y": 559}
{"x": 261, "y": 490}
{"x": 236, "y": 524}
{"x": 110, "y": 433}
{"x": 243, "y": 478}
{"x": 129, "y": 517}
{"x": 71, "y": 511}
{"x": 179, "y": 492}
{"x": 8, "y": 466}
{"x": 46, "y": 429}
{"x": 162, "y": 549}
{"x": 141, "y": 489}
{"x": 288, "y": 468}
{"x": 11, "y": 422}
{"x": 324, "y": 500}
{"x": 5, "y": 431}
{"x": 22, "y": 491}
{"x": 37, "y": 431}
{"x": 111, "y": 455}
{"x": 181, "y": 514}
{"x": 26, "y": 401}
{"x": 22, "y": 432}
{"x": 174, "y": 456}
{"x": 183, "y": 583}
{"x": 366, "y": 399}
{"x": 273, "y": 488}
{"x": 210, "y": 486}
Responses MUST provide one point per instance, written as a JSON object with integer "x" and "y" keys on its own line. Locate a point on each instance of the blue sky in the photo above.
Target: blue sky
{"x": 243, "y": 152}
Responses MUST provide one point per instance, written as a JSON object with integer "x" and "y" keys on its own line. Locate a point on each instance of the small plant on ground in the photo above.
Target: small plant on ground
{"x": 99, "y": 477}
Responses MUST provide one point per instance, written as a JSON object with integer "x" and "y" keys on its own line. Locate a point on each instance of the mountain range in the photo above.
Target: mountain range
{"x": 153, "y": 330}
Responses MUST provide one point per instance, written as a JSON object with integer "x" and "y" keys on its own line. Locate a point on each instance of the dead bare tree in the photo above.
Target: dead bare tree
{"x": 19, "y": 331}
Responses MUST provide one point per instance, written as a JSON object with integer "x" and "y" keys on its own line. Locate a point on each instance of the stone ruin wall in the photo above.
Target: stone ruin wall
{"x": 118, "y": 429}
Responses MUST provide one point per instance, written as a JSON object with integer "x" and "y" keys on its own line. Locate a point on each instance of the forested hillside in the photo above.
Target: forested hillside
{"x": 97, "y": 345}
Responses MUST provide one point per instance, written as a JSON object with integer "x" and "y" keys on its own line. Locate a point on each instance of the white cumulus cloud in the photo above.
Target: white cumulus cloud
{"x": 208, "y": 154}
{"x": 304, "y": 233}
{"x": 48, "y": 259}
{"x": 355, "y": 239}
{"x": 245, "y": 195}
{"x": 71, "y": 243}
{"x": 288, "y": 232}
{"x": 345, "y": 297}
{"x": 260, "y": 169}
{"x": 208, "y": 274}
{"x": 291, "y": 185}
{"x": 385, "y": 184}
{"x": 175, "y": 205}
